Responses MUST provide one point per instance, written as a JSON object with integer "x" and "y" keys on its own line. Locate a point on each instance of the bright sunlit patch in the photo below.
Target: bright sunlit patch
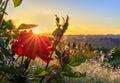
{"x": 36, "y": 30}
{"x": 17, "y": 23}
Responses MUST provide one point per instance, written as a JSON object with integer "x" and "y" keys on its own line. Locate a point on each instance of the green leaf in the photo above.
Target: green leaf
{"x": 27, "y": 26}
{"x": 90, "y": 55}
{"x": 4, "y": 68}
{"x": 8, "y": 35}
{"x": 115, "y": 62}
{"x": 57, "y": 33}
{"x": 1, "y": 10}
{"x": 67, "y": 68}
{"x": 43, "y": 73}
{"x": 17, "y": 2}
{"x": 116, "y": 57}
{"x": 39, "y": 70}
{"x": 78, "y": 74}
{"x": 0, "y": 1}
{"x": 2, "y": 4}
{"x": 77, "y": 60}
{"x": 52, "y": 67}
{"x": 9, "y": 24}
{"x": 74, "y": 74}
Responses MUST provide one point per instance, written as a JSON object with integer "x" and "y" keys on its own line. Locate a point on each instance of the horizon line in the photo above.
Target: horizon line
{"x": 83, "y": 34}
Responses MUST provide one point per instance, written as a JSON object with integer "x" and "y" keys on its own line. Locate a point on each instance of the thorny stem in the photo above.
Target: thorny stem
{"x": 1, "y": 17}
{"x": 27, "y": 62}
{"x": 17, "y": 58}
{"x": 54, "y": 46}
{"x": 22, "y": 60}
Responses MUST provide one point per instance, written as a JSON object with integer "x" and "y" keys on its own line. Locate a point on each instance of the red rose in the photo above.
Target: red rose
{"x": 35, "y": 45}
{"x": 17, "y": 47}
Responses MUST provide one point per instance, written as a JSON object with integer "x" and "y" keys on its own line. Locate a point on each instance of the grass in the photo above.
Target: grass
{"x": 95, "y": 74}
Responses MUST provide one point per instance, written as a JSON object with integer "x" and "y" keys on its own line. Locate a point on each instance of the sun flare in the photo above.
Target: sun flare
{"x": 36, "y": 30}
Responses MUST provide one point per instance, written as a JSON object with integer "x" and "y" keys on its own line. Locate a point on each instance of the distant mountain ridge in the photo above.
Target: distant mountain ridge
{"x": 96, "y": 36}
{"x": 97, "y": 41}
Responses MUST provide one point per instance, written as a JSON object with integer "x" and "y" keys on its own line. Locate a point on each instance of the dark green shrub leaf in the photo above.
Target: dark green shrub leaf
{"x": 116, "y": 57}
{"x": 43, "y": 73}
{"x": 76, "y": 60}
{"x": 39, "y": 70}
{"x": 4, "y": 68}
{"x": 74, "y": 74}
{"x": 52, "y": 67}
{"x": 0, "y": 1}
{"x": 67, "y": 68}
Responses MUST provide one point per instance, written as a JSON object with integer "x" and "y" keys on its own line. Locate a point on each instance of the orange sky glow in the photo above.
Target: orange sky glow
{"x": 86, "y": 16}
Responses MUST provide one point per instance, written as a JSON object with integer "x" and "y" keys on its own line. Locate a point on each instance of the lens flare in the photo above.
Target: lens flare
{"x": 36, "y": 30}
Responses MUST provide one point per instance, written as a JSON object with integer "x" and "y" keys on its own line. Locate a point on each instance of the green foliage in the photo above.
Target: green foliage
{"x": 76, "y": 60}
{"x": 8, "y": 66}
{"x": 67, "y": 69}
{"x": 39, "y": 70}
{"x": 89, "y": 54}
{"x": 74, "y": 74}
{"x": 115, "y": 62}
{"x": 52, "y": 67}
{"x": 26, "y": 26}
{"x": 1, "y": 5}
{"x": 116, "y": 57}
{"x": 74, "y": 45}
{"x": 4, "y": 68}
{"x": 7, "y": 25}
{"x": 57, "y": 33}
{"x": 17, "y": 2}
{"x": 0, "y": 1}
{"x": 43, "y": 73}
{"x": 16, "y": 71}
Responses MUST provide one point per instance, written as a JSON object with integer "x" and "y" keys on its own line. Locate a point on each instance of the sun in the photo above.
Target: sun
{"x": 36, "y": 30}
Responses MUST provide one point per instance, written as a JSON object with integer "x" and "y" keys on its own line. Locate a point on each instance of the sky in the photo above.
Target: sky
{"x": 86, "y": 16}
